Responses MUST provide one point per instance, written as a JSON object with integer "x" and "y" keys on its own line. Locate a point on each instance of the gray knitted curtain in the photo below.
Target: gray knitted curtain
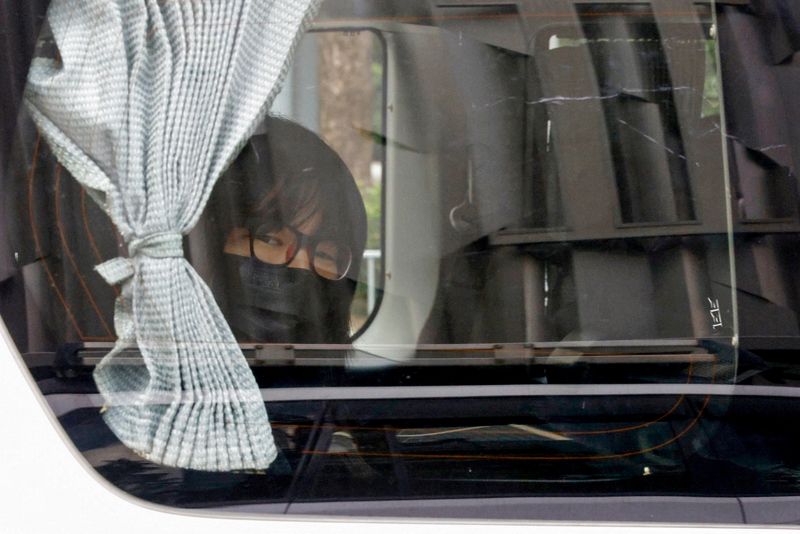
{"x": 146, "y": 102}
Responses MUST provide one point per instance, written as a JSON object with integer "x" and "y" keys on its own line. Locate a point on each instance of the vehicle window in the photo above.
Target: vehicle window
{"x": 530, "y": 260}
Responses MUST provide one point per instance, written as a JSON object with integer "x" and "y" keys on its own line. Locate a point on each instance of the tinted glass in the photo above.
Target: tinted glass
{"x": 576, "y": 295}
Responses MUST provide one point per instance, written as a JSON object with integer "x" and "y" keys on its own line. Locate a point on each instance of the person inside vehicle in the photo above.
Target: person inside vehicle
{"x": 295, "y": 231}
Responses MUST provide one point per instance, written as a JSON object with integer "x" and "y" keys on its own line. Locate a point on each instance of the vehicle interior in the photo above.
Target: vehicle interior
{"x": 579, "y": 299}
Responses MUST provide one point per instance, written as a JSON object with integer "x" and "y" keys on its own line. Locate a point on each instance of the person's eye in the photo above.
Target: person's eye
{"x": 271, "y": 240}
{"x": 325, "y": 256}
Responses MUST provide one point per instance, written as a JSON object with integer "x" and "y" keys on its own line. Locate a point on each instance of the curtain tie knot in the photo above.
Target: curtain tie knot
{"x": 160, "y": 245}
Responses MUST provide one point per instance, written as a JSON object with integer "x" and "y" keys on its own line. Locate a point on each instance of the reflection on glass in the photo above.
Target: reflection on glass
{"x": 336, "y": 89}
{"x": 546, "y": 301}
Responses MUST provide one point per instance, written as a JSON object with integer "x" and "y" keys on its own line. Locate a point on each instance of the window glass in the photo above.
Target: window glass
{"x": 336, "y": 89}
{"x": 531, "y": 260}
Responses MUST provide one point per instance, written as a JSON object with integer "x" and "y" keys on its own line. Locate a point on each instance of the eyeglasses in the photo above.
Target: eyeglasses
{"x": 329, "y": 259}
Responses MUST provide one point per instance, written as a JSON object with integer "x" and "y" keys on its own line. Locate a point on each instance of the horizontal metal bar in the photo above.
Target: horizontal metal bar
{"x": 524, "y": 236}
{"x": 281, "y": 355}
{"x": 63, "y": 403}
{"x": 92, "y": 360}
{"x": 649, "y": 345}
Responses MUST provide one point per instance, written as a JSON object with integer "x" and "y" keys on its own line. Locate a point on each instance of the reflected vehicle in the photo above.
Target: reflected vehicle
{"x": 568, "y": 291}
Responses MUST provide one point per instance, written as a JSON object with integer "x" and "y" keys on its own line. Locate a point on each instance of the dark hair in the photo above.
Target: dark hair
{"x": 283, "y": 178}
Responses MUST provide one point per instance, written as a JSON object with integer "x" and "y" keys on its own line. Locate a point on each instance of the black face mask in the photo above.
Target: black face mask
{"x": 278, "y": 304}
